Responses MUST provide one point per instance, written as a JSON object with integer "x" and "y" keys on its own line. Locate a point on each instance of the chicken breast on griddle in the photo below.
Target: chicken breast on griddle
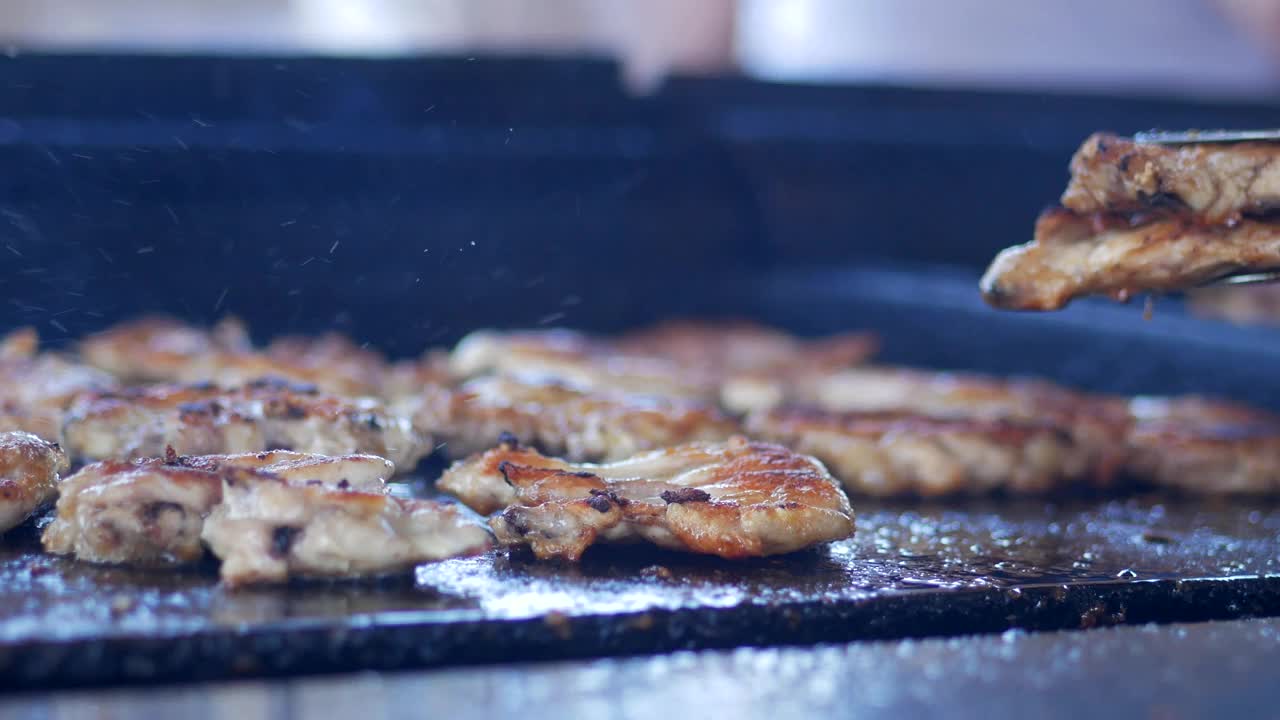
{"x": 1238, "y": 304}
{"x": 562, "y": 420}
{"x": 30, "y": 469}
{"x": 408, "y": 380}
{"x": 263, "y": 415}
{"x": 162, "y": 349}
{"x": 37, "y": 387}
{"x": 158, "y": 348}
{"x": 366, "y": 473}
{"x": 1119, "y": 256}
{"x": 575, "y": 359}
{"x": 733, "y": 499}
{"x": 1214, "y": 183}
{"x": 1093, "y": 418}
{"x": 726, "y": 349}
{"x": 878, "y": 427}
{"x": 151, "y": 512}
{"x": 1204, "y": 446}
{"x": 900, "y": 453}
{"x": 346, "y": 366}
{"x": 268, "y": 531}
{"x": 956, "y": 394}
{"x": 331, "y": 362}
{"x": 677, "y": 359}
{"x": 143, "y": 513}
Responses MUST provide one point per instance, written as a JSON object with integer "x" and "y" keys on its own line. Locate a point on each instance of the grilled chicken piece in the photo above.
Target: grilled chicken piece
{"x": 896, "y": 453}
{"x": 331, "y": 362}
{"x": 1215, "y": 184}
{"x": 162, "y": 349}
{"x": 145, "y": 513}
{"x": 734, "y": 499}
{"x": 235, "y": 369}
{"x": 949, "y": 394}
{"x": 263, "y": 415}
{"x": 1074, "y": 255}
{"x": 364, "y": 473}
{"x": 267, "y": 531}
{"x": 36, "y": 388}
{"x": 575, "y": 359}
{"x": 408, "y": 379}
{"x": 334, "y": 354}
{"x": 151, "y": 512}
{"x": 29, "y": 472}
{"x": 562, "y": 420}
{"x": 893, "y": 417}
{"x": 1238, "y": 304}
{"x": 955, "y": 395}
{"x": 677, "y": 359}
{"x": 159, "y": 348}
{"x": 732, "y": 348}
{"x": 743, "y": 359}
{"x": 141, "y": 422}
{"x": 1205, "y": 446}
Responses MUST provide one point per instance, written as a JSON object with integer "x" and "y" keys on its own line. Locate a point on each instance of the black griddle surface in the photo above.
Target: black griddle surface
{"x": 913, "y": 570}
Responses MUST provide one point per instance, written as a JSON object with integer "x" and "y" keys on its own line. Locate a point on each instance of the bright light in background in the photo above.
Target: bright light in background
{"x": 1142, "y": 45}
{"x": 1149, "y": 45}
{"x": 785, "y": 24}
{"x": 649, "y": 36}
{"x": 351, "y": 25}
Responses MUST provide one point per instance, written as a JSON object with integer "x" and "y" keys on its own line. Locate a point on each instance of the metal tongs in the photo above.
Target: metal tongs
{"x": 1205, "y": 137}
{"x": 1217, "y": 137}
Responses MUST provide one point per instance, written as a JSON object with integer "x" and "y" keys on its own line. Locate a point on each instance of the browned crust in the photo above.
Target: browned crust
{"x": 1074, "y": 255}
{"x": 37, "y": 387}
{"x": 909, "y": 453}
{"x": 744, "y": 499}
{"x": 159, "y": 347}
{"x": 163, "y": 349}
{"x": 29, "y": 472}
{"x": 688, "y": 359}
{"x": 206, "y": 419}
{"x": 740, "y": 346}
{"x": 1205, "y": 446}
{"x": 1214, "y": 184}
{"x": 879, "y": 424}
{"x": 563, "y": 420}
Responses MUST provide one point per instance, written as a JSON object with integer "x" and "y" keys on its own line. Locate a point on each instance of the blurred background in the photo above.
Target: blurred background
{"x": 1207, "y": 47}
{"x": 405, "y": 170}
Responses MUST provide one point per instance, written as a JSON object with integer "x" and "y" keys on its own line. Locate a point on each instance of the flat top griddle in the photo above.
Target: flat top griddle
{"x": 913, "y": 569}
{"x": 537, "y": 195}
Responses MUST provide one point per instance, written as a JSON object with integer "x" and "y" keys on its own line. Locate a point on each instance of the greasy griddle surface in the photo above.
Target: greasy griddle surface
{"x": 913, "y": 569}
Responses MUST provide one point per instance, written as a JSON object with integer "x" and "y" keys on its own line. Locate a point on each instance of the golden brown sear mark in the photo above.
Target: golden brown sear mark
{"x": 733, "y": 499}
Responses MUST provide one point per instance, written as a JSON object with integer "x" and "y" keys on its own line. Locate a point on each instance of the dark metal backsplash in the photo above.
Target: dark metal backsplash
{"x": 410, "y": 200}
